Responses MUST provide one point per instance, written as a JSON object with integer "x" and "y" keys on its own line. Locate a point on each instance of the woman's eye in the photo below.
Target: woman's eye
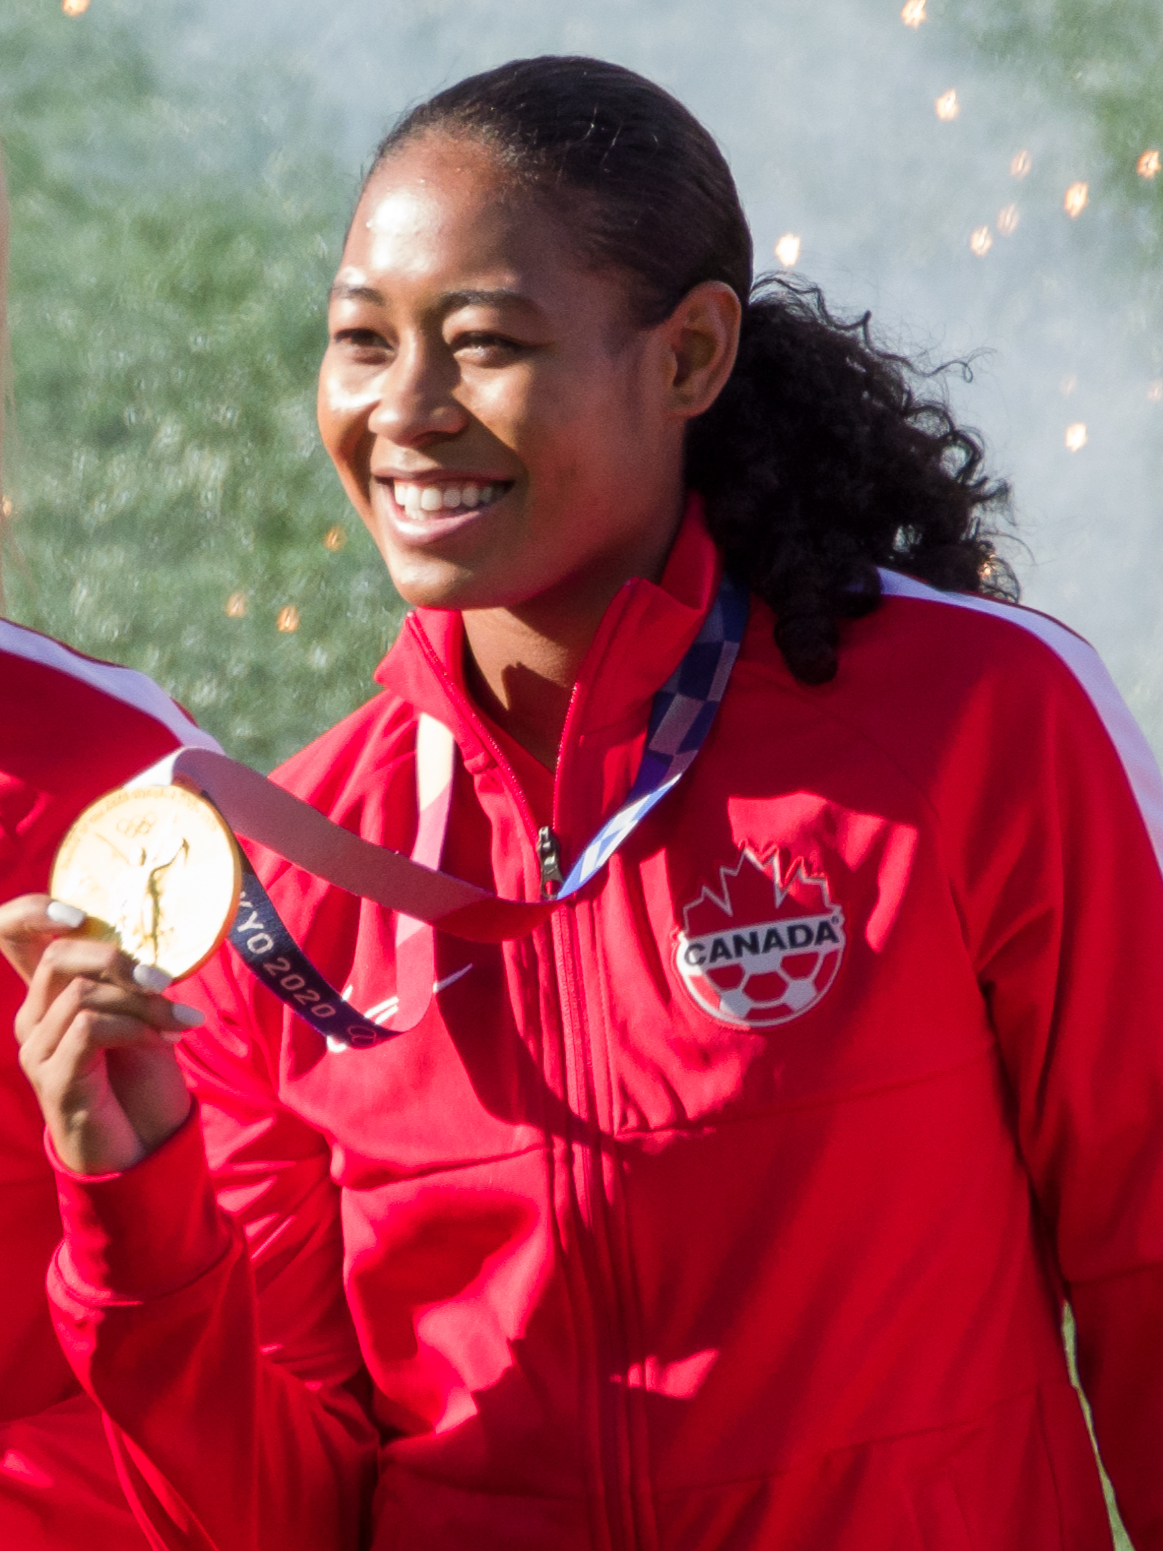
{"x": 360, "y": 339}
{"x": 488, "y": 349}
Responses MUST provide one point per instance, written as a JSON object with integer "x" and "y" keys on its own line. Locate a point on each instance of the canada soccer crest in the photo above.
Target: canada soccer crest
{"x": 765, "y": 948}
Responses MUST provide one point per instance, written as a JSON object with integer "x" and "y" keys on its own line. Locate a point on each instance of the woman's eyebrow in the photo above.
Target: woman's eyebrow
{"x": 345, "y": 291}
{"x": 449, "y": 301}
{"x": 499, "y": 296}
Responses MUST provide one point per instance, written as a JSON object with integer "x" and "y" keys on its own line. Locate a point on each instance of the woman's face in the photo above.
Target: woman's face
{"x": 500, "y": 426}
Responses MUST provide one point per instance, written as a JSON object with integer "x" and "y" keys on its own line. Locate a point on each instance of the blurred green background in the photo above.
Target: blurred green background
{"x": 167, "y": 316}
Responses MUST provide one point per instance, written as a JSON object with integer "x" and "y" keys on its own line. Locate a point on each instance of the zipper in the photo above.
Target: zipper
{"x": 589, "y": 1189}
{"x": 595, "y": 1241}
{"x": 549, "y": 860}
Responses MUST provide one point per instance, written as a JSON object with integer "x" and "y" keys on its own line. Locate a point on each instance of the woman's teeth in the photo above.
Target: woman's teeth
{"x": 420, "y": 500}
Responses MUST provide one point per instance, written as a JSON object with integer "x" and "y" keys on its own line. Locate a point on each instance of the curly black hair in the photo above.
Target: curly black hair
{"x": 823, "y": 458}
{"x": 845, "y": 468}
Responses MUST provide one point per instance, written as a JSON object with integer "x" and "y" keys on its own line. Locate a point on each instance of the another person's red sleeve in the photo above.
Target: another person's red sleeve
{"x": 71, "y": 728}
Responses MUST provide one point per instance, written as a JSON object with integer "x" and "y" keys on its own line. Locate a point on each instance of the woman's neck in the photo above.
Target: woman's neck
{"x": 522, "y": 663}
{"x": 521, "y": 679}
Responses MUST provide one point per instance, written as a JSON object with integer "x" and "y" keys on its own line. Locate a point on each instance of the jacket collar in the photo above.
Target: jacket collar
{"x": 642, "y": 638}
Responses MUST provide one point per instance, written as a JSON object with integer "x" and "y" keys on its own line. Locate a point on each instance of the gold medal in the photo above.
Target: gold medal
{"x": 157, "y": 870}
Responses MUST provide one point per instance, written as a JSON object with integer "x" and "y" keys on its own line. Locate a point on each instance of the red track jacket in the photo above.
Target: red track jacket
{"x": 732, "y": 1208}
{"x": 72, "y": 729}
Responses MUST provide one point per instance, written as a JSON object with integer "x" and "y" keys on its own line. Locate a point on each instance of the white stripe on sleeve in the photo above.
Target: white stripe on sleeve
{"x": 124, "y": 684}
{"x": 1087, "y": 667}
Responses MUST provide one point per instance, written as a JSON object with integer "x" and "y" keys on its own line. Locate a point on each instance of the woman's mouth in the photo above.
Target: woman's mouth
{"x": 445, "y": 498}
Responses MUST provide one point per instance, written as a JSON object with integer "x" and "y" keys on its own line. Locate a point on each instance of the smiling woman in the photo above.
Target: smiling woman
{"x": 733, "y": 1205}
{"x": 473, "y": 353}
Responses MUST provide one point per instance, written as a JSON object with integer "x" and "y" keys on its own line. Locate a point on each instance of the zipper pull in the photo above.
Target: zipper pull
{"x": 549, "y": 858}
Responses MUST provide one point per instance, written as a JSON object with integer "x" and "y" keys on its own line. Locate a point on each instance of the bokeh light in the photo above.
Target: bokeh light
{"x": 1148, "y": 164}
{"x": 1007, "y": 220}
{"x": 236, "y": 605}
{"x": 74, "y": 7}
{"x": 787, "y": 250}
{"x": 1076, "y": 200}
{"x": 1020, "y": 164}
{"x": 913, "y": 13}
{"x": 981, "y": 240}
{"x": 335, "y": 538}
{"x": 288, "y": 620}
{"x": 1076, "y": 437}
{"x": 947, "y": 106}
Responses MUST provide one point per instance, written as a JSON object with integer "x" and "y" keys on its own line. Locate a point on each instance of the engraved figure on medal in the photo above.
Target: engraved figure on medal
{"x": 144, "y": 889}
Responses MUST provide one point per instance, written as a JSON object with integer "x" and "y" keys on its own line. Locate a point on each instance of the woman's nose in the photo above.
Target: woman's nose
{"x": 416, "y": 403}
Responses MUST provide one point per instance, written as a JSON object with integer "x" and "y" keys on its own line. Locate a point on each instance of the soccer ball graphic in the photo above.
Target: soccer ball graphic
{"x": 765, "y": 948}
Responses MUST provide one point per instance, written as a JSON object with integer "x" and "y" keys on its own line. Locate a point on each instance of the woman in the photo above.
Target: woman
{"x": 70, "y": 728}
{"x": 735, "y": 1205}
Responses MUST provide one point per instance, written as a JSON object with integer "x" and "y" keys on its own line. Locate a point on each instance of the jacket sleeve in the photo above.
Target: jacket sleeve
{"x": 232, "y": 1383}
{"x": 1065, "y": 906}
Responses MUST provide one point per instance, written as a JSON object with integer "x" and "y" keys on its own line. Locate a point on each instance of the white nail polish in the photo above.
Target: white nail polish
{"x": 64, "y": 915}
{"x": 188, "y": 1017}
{"x": 151, "y": 978}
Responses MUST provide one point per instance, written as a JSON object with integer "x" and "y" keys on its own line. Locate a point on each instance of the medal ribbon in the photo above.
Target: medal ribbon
{"x": 680, "y": 719}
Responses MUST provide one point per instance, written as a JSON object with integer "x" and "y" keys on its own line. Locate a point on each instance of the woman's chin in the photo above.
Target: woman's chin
{"x": 427, "y": 582}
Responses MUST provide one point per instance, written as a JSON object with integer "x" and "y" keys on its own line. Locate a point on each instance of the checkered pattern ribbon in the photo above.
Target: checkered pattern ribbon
{"x": 680, "y": 720}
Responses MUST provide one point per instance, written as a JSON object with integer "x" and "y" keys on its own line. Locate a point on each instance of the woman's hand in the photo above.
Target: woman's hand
{"x": 95, "y": 1038}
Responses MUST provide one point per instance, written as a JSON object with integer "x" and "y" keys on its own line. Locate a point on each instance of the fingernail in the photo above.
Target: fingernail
{"x": 150, "y": 977}
{"x": 188, "y": 1017}
{"x": 64, "y": 915}
{"x": 172, "y": 1036}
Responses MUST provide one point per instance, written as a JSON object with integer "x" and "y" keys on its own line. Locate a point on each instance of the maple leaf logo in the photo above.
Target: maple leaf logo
{"x": 765, "y": 946}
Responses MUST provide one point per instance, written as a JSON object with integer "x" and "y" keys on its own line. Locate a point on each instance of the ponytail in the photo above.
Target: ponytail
{"x": 819, "y": 462}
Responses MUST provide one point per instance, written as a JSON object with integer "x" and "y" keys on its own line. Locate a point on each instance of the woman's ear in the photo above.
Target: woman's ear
{"x": 703, "y": 337}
